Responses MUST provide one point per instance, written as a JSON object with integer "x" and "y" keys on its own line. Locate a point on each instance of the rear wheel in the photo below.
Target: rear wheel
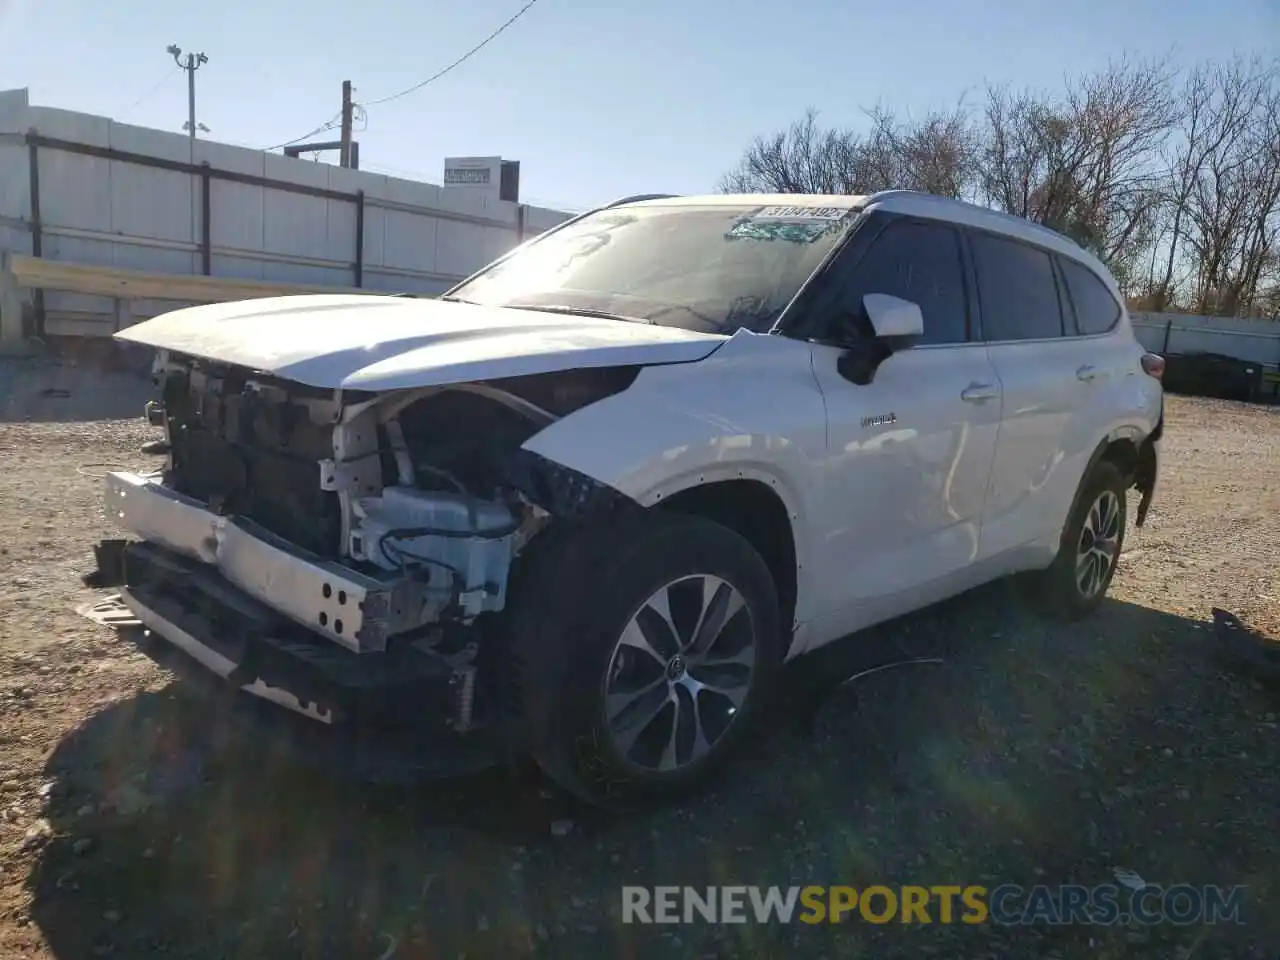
{"x": 643, "y": 652}
{"x": 1091, "y": 543}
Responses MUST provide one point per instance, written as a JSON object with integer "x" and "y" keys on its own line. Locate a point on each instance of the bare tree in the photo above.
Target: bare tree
{"x": 1085, "y": 164}
{"x": 1219, "y": 200}
{"x": 1173, "y": 182}
{"x": 804, "y": 158}
{"x": 1235, "y": 211}
{"x": 936, "y": 154}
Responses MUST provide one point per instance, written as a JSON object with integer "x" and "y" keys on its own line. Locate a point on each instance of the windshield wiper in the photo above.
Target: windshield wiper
{"x": 575, "y": 312}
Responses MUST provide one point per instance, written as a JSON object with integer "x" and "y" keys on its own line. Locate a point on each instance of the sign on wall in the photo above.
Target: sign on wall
{"x": 489, "y": 177}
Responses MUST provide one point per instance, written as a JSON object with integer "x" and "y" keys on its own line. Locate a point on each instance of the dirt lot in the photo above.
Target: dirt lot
{"x": 1034, "y": 754}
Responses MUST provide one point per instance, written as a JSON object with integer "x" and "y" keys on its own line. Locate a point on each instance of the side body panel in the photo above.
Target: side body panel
{"x": 971, "y": 478}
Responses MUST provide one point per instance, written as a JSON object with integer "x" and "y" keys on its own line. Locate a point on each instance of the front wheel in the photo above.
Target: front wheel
{"x": 1091, "y": 543}
{"x": 645, "y": 653}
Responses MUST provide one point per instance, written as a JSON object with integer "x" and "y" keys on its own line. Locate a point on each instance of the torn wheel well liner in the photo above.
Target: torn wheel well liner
{"x": 563, "y": 492}
{"x": 1124, "y": 454}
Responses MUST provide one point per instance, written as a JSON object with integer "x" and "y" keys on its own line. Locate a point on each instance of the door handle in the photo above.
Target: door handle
{"x": 1087, "y": 373}
{"x": 977, "y": 392}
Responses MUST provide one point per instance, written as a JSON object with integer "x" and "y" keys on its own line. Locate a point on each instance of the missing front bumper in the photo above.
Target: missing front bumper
{"x": 407, "y": 714}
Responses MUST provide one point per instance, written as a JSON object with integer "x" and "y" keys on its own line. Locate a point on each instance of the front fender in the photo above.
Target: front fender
{"x": 752, "y": 411}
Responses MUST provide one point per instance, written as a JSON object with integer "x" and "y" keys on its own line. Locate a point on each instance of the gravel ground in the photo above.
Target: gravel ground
{"x": 1035, "y": 753}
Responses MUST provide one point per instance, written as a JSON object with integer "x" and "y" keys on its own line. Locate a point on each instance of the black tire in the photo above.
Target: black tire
{"x": 1059, "y": 587}
{"x": 570, "y": 602}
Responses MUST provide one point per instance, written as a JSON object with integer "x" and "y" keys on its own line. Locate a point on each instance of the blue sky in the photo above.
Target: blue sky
{"x": 596, "y": 99}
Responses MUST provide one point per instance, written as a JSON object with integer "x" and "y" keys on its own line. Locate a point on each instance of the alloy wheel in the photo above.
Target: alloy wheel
{"x": 680, "y": 673}
{"x": 1099, "y": 541}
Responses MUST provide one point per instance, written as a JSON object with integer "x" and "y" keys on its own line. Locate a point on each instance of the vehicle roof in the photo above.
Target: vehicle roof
{"x": 910, "y": 203}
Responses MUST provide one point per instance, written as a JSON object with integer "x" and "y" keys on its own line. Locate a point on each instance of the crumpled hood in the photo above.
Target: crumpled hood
{"x": 390, "y": 343}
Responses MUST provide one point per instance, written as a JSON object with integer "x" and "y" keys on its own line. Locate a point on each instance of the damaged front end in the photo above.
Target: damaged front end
{"x": 333, "y": 551}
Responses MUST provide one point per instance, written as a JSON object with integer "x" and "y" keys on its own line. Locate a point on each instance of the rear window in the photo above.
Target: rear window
{"x": 708, "y": 267}
{"x": 1096, "y": 309}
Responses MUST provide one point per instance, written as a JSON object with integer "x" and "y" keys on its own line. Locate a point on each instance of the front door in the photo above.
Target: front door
{"x": 909, "y": 454}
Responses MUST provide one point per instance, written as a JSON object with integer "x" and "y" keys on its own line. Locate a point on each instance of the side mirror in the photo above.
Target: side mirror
{"x": 897, "y": 323}
{"x": 893, "y": 318}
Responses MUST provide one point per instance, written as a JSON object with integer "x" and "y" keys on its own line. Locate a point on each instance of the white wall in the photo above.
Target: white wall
{"x": 418, "y": 237}
{"x": 1240, "y": 337}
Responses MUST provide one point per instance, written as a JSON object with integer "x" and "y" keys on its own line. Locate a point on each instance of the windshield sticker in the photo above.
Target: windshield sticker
{"x": 792, "y": 232}
{"x": 801, "y": 213}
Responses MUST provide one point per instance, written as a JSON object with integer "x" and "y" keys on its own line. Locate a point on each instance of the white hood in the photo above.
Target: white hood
{"x": 390, "y": 343}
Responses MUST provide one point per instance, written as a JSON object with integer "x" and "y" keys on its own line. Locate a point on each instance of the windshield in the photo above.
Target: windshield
{"x": 710, "y": 268}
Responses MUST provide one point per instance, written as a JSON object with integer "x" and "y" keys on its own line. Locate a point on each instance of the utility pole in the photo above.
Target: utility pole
{"x": 348, "y": 148}
{"x": 344, "y": 151}
{"x": 193, "y": 63}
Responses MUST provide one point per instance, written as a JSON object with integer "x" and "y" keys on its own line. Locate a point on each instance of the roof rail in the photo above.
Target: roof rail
{"x": 638, "y": 197}
{"x": 1024, "y": 224}
{"x": 899, "y": 192}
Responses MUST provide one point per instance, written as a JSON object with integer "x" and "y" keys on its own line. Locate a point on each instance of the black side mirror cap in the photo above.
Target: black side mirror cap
{"x": 858, "y": 364}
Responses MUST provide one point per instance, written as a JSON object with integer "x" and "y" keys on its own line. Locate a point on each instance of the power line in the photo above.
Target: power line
{"x": 457, "y": 63}
{"x": 360, "y": 116}
{"x": 168, "y": 75}
{"x": 333, "y": 122}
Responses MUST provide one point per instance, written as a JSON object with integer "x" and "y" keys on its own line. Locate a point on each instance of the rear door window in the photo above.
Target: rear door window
{"x": 1016, "y": 289}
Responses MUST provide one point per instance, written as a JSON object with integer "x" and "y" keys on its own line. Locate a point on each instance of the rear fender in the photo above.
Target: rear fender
{"x": 1141, "y": 472}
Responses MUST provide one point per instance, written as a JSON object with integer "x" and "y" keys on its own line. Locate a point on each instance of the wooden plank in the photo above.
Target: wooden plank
{"x": 39, "y": 273}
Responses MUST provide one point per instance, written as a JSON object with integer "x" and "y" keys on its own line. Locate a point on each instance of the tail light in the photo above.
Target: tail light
{"x": 1153, "y": 365}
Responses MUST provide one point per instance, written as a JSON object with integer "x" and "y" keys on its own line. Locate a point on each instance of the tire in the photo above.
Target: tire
{"x": 1075, "y": 584}
{"x": 589, "y": 706}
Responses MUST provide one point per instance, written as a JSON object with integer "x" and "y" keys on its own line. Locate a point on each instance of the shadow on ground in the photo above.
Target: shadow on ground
{"x": 1037, "y": 753}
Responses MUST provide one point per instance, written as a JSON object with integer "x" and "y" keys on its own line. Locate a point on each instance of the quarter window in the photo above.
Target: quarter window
{"x": 919, "y": 262}
{"x": 1016, "y": 289}
{"x": 1096, "y": 309}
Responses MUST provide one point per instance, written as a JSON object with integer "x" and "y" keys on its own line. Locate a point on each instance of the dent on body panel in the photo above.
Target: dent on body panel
{"x": 935, "y": 494}
{"x": 754, "y": 401}
{"x": 751, "y": 411}
{"x": 926, "y": 471}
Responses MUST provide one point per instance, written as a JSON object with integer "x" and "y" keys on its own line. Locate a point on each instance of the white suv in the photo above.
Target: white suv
{"x": 584, "y": 506}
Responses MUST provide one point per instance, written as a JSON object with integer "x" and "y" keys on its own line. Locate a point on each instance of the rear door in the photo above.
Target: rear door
{"x": 1092, "y": 317}
{"x": 1046, "y": 378}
